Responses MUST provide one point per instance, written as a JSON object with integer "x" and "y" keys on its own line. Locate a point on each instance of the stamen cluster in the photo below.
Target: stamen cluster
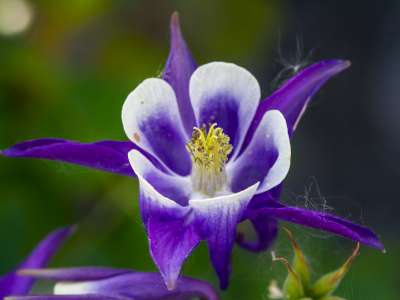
{"x": 209, "y": 150}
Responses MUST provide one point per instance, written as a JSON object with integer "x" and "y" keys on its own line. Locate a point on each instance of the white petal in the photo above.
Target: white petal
{"x": 74, "y": 288}
{"x": 164, "y": 190}
{"x": 266, "y": 159}
{"x": 222, "y": 204}
{"x": 151, "y": 119}
{"x": 225, "y": 94}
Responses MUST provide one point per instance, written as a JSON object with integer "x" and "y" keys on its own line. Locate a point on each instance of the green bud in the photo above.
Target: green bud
{"x": 292, "y": 287}
{"x": 299, "y": 263}
{"x": 329, "y": 282}
{"x": 298, "y": 277}
{"x": 297, "y": 284}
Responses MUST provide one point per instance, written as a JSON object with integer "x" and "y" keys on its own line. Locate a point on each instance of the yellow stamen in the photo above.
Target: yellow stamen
{"x": 209, "y": 151}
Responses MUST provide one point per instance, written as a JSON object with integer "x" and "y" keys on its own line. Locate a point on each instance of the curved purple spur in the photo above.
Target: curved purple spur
{"x": 107, "y": 283}
{"x": 208, "y": 154}
{"x": 12, "y": 284}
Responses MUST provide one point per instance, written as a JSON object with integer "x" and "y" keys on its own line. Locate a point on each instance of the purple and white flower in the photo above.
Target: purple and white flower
{"x": 13, "y": 284}
{"x": 99, "y": 283}
{"x": 208, "y": 154}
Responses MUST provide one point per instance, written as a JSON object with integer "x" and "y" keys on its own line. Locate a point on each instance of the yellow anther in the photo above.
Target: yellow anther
{"x": 209, "y": 150}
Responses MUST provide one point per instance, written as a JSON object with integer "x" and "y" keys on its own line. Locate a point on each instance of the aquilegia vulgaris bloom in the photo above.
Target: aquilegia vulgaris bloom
{"x": 12, "y": 284}
{"x": 208, "y": 155}
{"x": 99, "y": 283}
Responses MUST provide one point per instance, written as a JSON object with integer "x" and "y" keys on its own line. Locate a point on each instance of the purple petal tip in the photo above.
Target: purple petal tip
{"x": 344, "y": 64}
{"x": 69, "y": 230}
{"x": 335, "y": 65}
{"x": 171, "y": 285}
{"x": 175, "y": 27}
{"x": 175, "y": 19}
{"x": 379, "y": 245}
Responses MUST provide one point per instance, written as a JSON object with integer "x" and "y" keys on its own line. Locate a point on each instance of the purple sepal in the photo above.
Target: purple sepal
{"x": 216, "y": 220}
{"x": 13, "y": 284}
{"x": 321, "y": 221}
{"x": 219, "y": 230}
{"x": 171, "y": 234}
{"x": 171, "y": 241}
{"x": 110, "y": 156}
{"x": 292, "y": 98}
{"x": 106, "y": 283}
{"x": 178, "y": 70}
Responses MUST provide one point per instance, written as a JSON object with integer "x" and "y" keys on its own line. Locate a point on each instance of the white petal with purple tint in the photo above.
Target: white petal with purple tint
{"x": 225, "y": 94}
{"x": 267, "y": 157}
{"x": 151, "y": 119}
{"x": 169, "y": 191}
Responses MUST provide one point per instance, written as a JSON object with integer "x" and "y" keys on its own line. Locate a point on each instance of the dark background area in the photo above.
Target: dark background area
{"x": 68, "y": 73}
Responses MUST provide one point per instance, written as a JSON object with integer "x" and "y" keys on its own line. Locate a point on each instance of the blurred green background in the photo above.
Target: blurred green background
{"x": 67, "y": 66}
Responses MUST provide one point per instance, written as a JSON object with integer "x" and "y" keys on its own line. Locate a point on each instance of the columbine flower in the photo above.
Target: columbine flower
{"x": 298, "y": 285}
{"x": 208, "y": 155}
{"x": 12, "y": 284}
{"x": 112, "y": 284}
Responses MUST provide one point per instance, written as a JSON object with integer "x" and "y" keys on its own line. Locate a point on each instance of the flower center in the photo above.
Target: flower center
{"x": 209, "y": 150}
